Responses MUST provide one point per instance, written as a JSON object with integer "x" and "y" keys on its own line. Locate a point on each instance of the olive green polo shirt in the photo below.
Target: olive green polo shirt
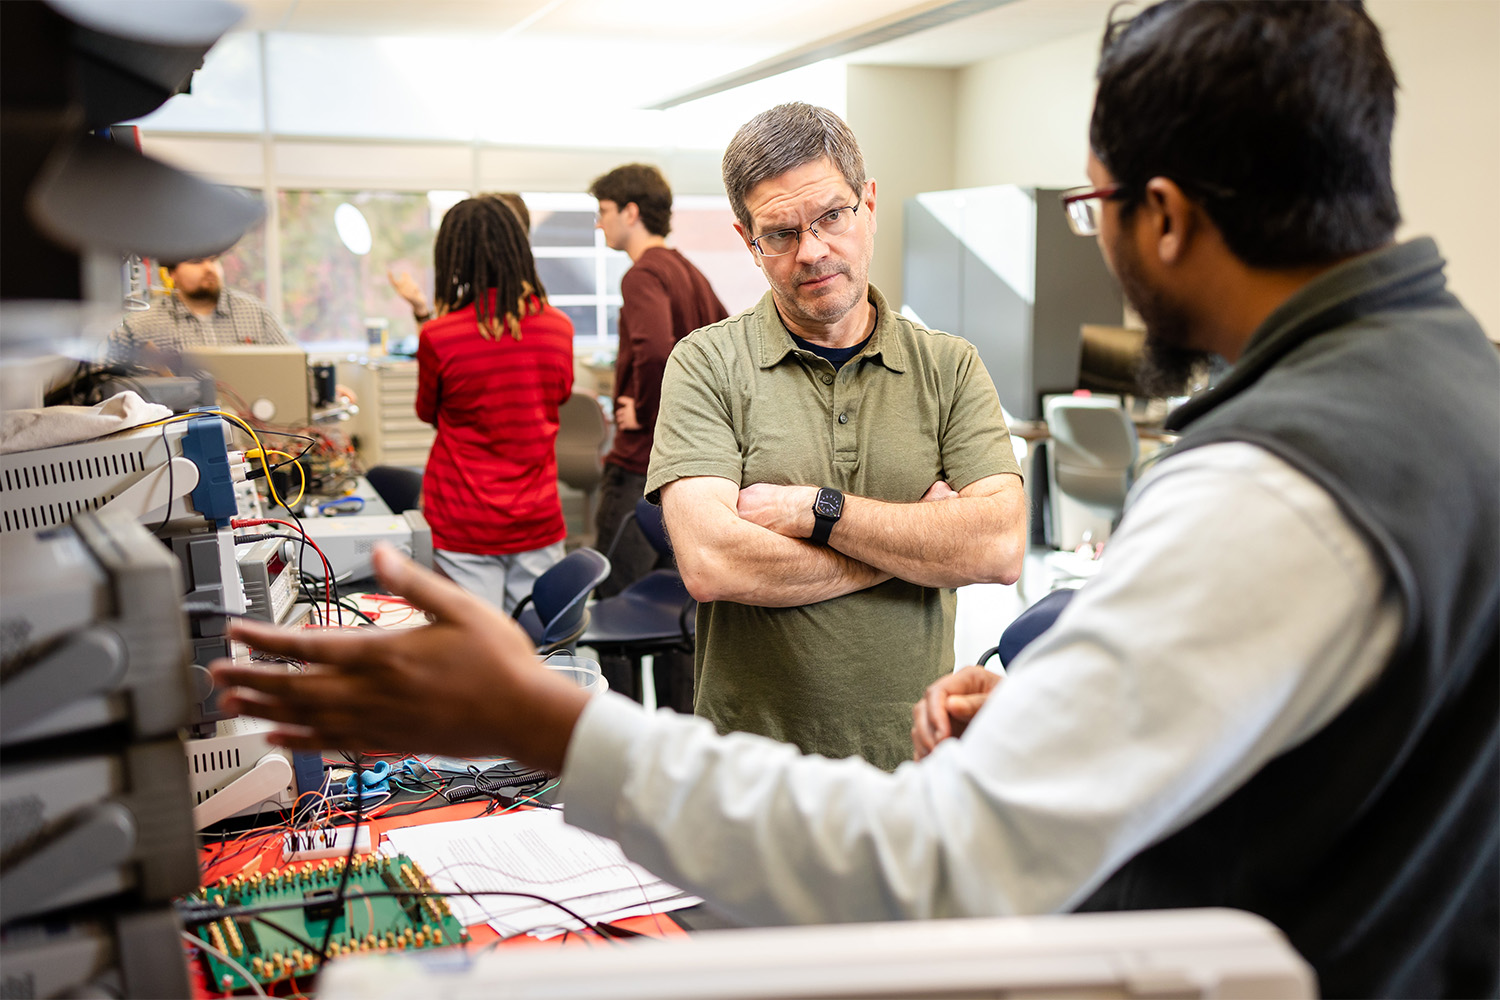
{"x": 742, "y": 402}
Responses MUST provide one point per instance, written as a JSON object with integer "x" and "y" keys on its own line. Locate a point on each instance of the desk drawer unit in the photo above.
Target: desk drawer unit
{"x": 393, "y": 435}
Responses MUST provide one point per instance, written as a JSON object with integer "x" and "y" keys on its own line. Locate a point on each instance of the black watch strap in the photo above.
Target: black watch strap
{"x": 828, "y": 507}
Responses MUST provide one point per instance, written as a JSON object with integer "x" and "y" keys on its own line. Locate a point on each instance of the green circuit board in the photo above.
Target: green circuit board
{"x": 272, "y": 946}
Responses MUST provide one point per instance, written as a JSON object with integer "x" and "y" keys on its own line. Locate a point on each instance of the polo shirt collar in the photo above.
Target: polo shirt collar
{"x": 776, "y": 341}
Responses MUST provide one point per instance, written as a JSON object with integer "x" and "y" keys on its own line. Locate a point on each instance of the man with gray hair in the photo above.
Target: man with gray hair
{"x": 794, "y": 445}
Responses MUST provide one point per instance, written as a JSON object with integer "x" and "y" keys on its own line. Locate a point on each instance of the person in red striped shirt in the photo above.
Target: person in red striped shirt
{"x": 494, "y": 364}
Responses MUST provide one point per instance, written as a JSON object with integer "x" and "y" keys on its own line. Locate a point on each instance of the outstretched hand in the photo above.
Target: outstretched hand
{"x": 409, "y": 290}
{"x": 469, "y": 684}
{"x": 947, "y": 707}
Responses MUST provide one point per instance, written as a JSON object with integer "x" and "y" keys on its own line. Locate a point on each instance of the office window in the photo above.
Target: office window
{"x": 567, "y": 275}
{"x": 245, "y": 263}
{"x": 580, "y": 273}
{"x": 327, "y": 290}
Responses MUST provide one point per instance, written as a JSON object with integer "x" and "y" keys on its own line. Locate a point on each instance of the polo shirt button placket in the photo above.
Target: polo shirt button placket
{"x": 827, "y": 379}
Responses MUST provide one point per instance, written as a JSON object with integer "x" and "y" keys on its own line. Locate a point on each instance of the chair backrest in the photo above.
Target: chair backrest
{"x": 1027, "y": 626}
{"x": 648, "y": 516}
{"x": 580, "y": 438}
{"x": 1092, "y": 450}
{"x": 561, "y": 593}
{"x": 399, "y": 486}
{"x": 1031, "y": 623}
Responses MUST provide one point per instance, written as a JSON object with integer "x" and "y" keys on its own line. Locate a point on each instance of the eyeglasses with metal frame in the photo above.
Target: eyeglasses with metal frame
{"x": 1084, "y": 205}
{"x": 783, "y": 241}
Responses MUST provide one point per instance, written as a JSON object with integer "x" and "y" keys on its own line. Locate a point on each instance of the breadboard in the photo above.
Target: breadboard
{"x": 268, "y": 946}
{"x": 324, "y": 842}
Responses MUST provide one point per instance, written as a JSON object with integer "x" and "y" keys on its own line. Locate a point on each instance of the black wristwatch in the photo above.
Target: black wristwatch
{"x": 828, "y": 507}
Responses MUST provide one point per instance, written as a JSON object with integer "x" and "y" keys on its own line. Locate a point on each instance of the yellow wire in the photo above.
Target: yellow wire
{"x": 179, "y": 417}
{"x": 302, "y": 475}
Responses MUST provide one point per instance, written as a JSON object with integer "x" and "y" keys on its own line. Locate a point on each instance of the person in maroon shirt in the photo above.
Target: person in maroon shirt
{"x": 665, "y": 298}
{"x": 493, "y": 366}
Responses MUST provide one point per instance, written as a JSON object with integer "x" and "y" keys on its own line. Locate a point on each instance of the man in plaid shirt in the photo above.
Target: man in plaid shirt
{"x": 200, "y": 311}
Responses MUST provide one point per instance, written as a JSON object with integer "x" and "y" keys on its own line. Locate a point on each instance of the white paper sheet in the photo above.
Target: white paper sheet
{"x": 534, "y": 852}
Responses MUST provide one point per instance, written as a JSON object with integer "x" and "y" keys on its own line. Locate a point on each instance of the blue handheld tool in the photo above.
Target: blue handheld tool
{"x": 370, "y": 783}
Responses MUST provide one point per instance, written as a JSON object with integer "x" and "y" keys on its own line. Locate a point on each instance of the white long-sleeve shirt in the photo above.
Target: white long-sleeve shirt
{"x": 1236, "y": 612}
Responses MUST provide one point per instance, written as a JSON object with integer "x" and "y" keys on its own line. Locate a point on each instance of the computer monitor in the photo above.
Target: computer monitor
{"x": 269, "y": 382}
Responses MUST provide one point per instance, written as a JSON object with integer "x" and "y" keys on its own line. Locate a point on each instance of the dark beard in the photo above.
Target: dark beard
{"x": 1165, "y": 368}
{"x": 201, "y": 297}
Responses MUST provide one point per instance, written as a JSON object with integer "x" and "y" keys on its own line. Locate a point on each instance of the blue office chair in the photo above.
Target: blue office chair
{"x": 648, "y": 518}
{"x": 556, "y": 612}
{"x": 653, "y": 616}
{"x": 1027, "y": 626}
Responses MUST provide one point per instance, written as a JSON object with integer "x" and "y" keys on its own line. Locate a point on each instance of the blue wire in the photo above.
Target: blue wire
{"x": 344, "y": 505}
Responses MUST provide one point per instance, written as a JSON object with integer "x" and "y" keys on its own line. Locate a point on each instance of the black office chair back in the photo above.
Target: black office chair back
{"x": 651, "y": 616}
{"x": 1027, "y": 626}
{"x": 399, "y": 486}
{"x": 558, "y": 611}
{"x": 648, "y": 516}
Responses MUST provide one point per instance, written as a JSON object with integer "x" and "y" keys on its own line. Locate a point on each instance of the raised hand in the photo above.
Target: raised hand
{"x": 409, "y": 290}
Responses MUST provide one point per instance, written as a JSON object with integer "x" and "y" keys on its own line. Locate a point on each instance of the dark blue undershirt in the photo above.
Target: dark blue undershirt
{"x": 836, "y": 355}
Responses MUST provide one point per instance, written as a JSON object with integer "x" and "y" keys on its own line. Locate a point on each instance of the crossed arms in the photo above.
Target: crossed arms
{"x": 750, "y": 546}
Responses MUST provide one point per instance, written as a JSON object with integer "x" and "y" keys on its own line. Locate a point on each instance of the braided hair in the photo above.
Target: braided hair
{"x": 482, "y": 246}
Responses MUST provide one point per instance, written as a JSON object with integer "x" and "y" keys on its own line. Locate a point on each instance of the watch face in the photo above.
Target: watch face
{"x": 829, "y": 503}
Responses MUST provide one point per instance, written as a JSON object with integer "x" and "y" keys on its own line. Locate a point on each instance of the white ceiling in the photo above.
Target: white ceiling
{"x": 1018, "y": 25}
{"x": 739, "y": 35}
{"x": 773, "y": 22}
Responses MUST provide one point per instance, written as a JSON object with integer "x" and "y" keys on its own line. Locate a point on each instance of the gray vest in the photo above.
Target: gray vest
{"x": 1374, "y": 845}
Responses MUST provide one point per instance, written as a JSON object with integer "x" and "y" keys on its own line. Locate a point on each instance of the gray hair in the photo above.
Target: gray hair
{"x": 782, "y": 139}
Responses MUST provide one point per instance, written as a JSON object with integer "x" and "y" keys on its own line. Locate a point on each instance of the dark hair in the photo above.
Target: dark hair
{"x": 481, "y": 246}
{"x": 1276, "y": 116}
{"x": 514, "y": 202}
{"x": 784, "y": 138}
{"x": 645, "y": 187}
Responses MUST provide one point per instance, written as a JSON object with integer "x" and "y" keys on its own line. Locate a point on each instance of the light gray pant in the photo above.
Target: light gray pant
{"x": 501, "y": 580}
